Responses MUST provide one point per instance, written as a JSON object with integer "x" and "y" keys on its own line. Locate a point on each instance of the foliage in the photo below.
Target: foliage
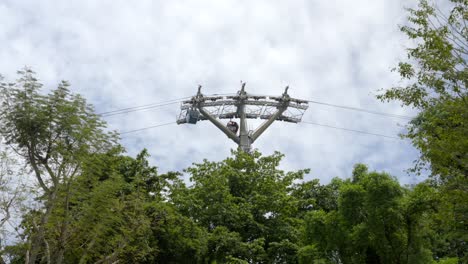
{"x": 54, "y": 134}
{"x": 377, "y": 221}
{"x": 247, "y": 200}
{"x": 12, "y": 197}
{"x": 435, "y": 78}
{"x": 436, "y": 67}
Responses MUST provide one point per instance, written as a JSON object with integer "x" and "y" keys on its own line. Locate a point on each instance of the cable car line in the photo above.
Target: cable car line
{"x": 145, "y": 128}
{"x": 150, "y": 106}
{"x": 139, "y": 109}
{"x": 134, "y": 108}
{"x": 306, "y": 122}
{"x": 362, "y": 110}
{"x": 351, "y": 130}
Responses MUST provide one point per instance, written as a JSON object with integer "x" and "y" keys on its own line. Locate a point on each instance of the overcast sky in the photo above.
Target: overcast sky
{"x": 127, "y": 53}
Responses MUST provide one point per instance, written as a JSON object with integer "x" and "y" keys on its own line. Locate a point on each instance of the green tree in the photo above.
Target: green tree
{"x": 434, "y": 81}
{"x": 436, "y": 67}
{"x": 118, "y": 212}
{"x": 108, "y": 212}
{"x": 12, "y": 196}
{"x": 435, "y": 78}
{"x": 245, "y": 203}
{"x": 311, "y": 195}
{"x": 376, "y": 221}
{"x": 54, "y": 133}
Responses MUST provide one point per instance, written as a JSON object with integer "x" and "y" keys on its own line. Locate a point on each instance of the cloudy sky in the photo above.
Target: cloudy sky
{"x": 127, "y": 53}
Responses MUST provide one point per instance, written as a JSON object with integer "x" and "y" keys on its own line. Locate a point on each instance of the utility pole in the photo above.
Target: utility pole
{"x": 242, "y": 106}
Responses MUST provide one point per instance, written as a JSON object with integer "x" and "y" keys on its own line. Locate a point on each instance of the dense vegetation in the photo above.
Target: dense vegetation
{"x": 94, "y": 204}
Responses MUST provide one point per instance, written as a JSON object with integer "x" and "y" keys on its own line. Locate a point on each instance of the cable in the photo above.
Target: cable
{"x": 305, "y": 122}
{"x": 139, "y": 109}
{"x": 145, "y": 128}
{"x": 351, "y": 130}
{"x": 362, "y": 110}
{"x": 221, "y": 94}
{"x": 142, "y": 106}
{"x": 150, "y": 106}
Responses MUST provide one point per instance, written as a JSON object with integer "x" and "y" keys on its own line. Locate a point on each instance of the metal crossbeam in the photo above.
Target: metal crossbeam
{"x": 242, "y": 106}
{"x": 247, "y": 102}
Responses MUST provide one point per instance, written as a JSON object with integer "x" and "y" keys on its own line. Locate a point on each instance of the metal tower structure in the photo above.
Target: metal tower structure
{"x": 242, "y": 106}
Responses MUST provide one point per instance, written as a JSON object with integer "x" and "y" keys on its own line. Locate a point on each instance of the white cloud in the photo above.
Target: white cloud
{"x": 120, "y": 54}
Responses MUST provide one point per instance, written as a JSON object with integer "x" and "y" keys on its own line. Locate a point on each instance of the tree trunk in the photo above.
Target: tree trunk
{"x": 64, "y": 227}
{"x": 38, "y": 238}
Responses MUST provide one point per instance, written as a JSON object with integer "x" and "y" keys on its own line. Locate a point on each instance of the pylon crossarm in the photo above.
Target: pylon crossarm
{"x": 219, "y": 125}
{"x": 206, "y": 103}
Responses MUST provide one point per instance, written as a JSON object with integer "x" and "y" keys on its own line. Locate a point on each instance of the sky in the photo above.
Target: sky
{"x": 120, "y": 54}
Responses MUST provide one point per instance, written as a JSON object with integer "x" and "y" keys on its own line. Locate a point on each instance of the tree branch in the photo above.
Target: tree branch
{"x": 38, "y": 173}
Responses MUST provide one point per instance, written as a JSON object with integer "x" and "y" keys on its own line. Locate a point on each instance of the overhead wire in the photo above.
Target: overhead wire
{"x": 150, "y": 106}
{"x": 361, "y": 110}
{"x": 305, "y": 122}
{"x": 141, "y": 107}
{"x": 149, "y": 127}
{"x": 351, "y": 130}
{"x": 138, "y": 109}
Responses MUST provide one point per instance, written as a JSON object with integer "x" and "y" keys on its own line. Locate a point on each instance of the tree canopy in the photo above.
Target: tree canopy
{"x": 434, "y": 80}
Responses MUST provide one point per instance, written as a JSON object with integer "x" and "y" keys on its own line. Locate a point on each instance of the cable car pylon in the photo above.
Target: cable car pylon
{"x": 242, "y": 106}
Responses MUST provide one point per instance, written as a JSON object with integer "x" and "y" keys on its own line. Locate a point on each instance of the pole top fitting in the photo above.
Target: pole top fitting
{"x": 199, "y": 89}
{"x": 286, "y": 97}
{"x": 242, "y": 92}
{"x": 197, "y": 98}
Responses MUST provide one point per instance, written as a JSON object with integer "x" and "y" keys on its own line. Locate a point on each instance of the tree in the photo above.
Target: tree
{"x": 435, "y": 78}
{"x": 246, "y": 205}
{"x": 54, "y": 133}
{"x": 107, "y": 212}
{"x": 376, "y": 221}
{"x": 435, "y": 81}
{"x": 121, "y": 213}
{"x": 436, "y": 69}
{"x": 12, "y": 196}
{"x": 118, "y": 213}
{"x": 97, "y": 205}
